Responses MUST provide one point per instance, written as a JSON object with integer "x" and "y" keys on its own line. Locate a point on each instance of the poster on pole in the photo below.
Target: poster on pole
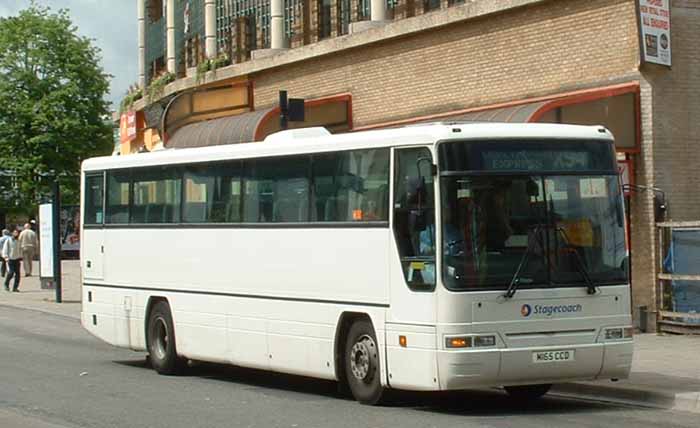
{"x": 655, "y": 31}
{"x": 46, "y": 242}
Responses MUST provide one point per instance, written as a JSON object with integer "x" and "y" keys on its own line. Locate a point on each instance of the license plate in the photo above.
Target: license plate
{"x": 553, "y": 356}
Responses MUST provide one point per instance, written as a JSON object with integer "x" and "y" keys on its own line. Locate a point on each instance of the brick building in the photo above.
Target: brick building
{"x": 362, "y": 64}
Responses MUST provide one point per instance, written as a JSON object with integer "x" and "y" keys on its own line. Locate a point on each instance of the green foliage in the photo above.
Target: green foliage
{"x": 220, "y": 61}
{"x": 157, "y": 86}
{"x": 211, "y": 65}
{"x": 134, "y": 94}
{"x": 202, "y": 69}
{"x": 52, "y": 108}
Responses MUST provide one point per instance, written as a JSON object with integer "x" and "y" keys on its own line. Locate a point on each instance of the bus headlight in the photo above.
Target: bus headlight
{"x": 481, "y": 341}
{"x": 470, "y": 341}
{"x": 619, "y": 333}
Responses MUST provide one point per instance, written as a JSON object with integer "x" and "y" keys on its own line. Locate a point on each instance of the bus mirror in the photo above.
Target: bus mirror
{"x": 427, "y": 161}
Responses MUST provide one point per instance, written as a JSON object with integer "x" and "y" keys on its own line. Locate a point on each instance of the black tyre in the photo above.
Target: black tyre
{"x": 160, "y": 340}
{"x": 527, "y": 392}
{"x": 362, "y": 363}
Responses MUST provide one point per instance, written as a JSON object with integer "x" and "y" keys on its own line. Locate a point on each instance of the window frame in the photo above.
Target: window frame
{"x": 88, "y": 175}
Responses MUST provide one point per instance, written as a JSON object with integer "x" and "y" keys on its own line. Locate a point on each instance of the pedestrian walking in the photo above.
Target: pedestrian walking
{"x": 28, "y": 245}
{"x": 12, "y": 255}
{"x": 4, "y": 237}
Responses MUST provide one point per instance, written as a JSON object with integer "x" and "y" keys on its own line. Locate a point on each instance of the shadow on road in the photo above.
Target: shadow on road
{"x": 478, "y": 402}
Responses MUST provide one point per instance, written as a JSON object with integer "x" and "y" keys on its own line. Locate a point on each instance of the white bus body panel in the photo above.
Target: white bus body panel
{"x": 244, "y": 296}
{"x": 519, "y": 335}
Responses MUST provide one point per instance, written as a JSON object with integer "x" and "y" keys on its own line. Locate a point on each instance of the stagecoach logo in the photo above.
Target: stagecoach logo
{"x": 549, "y": 310}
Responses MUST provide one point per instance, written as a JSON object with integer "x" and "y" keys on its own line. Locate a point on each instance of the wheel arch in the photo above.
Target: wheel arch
{"x": 149, "y": 307}
{"x": 345, "y": 320}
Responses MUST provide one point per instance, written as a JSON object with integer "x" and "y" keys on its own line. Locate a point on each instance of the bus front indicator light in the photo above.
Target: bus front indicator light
{"x": 458, "y": 342}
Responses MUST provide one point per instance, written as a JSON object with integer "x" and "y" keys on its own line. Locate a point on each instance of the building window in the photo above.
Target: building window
{"x": 363, "y": 10}
{"x": 155, "y": 10}
{"x": 324, "y": 18}
{"x": 431, "y": 5}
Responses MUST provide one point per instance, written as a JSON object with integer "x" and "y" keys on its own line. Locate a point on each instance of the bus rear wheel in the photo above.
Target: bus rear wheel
{"x": 362, "y": 363}
{"x": 527, "y": 392}
{"x": 161, "y": 340}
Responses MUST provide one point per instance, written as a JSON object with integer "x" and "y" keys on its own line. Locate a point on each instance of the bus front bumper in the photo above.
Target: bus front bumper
{"x": 463, "y": 369}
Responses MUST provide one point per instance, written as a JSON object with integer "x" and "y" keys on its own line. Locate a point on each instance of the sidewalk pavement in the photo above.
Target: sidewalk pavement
{"x": 665, "y": 370}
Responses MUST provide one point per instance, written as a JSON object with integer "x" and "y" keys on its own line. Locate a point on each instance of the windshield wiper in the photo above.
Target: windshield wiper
{"x": 590, "y": 286}
{"x": 515, "y": 280}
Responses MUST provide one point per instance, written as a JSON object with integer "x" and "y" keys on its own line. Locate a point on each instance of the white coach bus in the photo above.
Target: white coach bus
{"x": 434, "y": 257}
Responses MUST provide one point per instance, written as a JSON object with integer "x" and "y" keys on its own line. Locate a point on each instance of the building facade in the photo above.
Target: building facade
{"x": 211, "y": 72}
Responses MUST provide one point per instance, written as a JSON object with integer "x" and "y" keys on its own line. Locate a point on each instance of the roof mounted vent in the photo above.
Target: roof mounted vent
{"x": 297, "y": 134}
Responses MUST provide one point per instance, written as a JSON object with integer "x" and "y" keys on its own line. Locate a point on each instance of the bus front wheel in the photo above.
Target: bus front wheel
{"x": 527, "y": 392}
{"x": 161, "y": 340}
{"x": 362, "y": 363}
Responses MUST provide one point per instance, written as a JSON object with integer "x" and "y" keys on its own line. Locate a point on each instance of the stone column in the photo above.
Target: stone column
{"x": 377, "y": 10}
{"x": 141, "y": 15}
{"x": 210, "y": 28}
{"x": 277, "y": 38}
{"x": 170, "y": 31}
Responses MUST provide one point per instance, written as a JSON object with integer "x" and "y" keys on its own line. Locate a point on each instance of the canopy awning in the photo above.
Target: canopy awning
{"x": 236, "y": 129}
{"x": 516, "y": 114}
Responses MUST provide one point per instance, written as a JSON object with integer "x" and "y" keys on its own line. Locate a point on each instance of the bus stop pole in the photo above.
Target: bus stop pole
{"x": 56, "y": 238}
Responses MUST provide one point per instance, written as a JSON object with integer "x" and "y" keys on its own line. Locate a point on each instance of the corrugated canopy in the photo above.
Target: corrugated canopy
{"x": 521, "y": 113}
{"x": 226, "y": 130}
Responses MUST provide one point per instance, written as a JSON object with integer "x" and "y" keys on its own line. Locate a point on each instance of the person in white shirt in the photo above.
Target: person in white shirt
{"x": 4, "y": 237}
{"x": 12, "y": 255}
{"x": 28, "y": 245}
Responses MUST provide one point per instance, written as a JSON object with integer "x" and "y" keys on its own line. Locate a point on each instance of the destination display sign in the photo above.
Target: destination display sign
{"x": 565, "y": 156}
{"x": 536, "y": 160}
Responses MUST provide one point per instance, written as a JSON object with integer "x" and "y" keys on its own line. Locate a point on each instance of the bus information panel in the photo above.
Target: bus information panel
{"x": 535, "y": 156}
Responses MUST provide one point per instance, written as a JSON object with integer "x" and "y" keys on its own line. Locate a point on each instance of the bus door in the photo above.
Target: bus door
{"x": 92, "y": 238}
{"x": 413, "y": 270}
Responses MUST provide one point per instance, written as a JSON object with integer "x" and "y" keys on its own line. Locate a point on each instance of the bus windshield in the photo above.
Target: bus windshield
{"x": 550, "y": 229}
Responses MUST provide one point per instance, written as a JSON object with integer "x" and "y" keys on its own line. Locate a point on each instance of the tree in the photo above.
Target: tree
{"x": 53, "y": 112}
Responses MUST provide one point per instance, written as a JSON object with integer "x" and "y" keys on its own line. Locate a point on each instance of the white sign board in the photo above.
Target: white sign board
{"x": 46, "y": 239}
{"x": 655, "y": 30}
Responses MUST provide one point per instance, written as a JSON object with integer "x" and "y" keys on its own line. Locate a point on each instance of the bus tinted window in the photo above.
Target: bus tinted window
{"x": 117, "y": 197}
{"x": 414, "y": 216}
{"x": 351, "y": 186}
{"x": 93, "y": 199}
{"x": 156, "y": 196}
{"x": 213, "y": 193}
{"x": 277, "y": 190}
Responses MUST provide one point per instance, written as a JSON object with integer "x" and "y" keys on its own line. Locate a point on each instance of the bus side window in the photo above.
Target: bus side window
{"x": 351, "y": 186}
{"x": 277, "y": 190}
{"x": 118, "y": 195}
{"x": 414, "y": 216}
{"x": 93, "y": 199}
